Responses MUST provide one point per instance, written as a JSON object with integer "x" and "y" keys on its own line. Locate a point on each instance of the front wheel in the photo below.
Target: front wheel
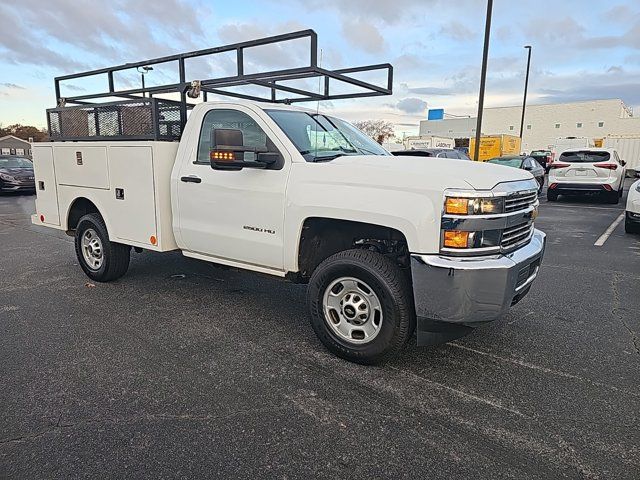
{"x": 629, "y": 226}
{"x": 361, "y": 306}
{"x": 101, "y": 259}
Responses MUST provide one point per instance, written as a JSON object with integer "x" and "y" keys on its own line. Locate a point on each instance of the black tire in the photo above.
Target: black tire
{"x": 612, "y": 197}
{"x": 552, "y": 196}
{"x": 392, "y": 287}
{"x": 541, "y": 183}
{"x": 115, "y": 260}
{"x": 629, "y": 226}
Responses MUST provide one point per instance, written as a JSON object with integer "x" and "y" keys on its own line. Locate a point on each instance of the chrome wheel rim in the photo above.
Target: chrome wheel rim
{"x": 352, "y": 310}
{"x": 91, "y": 247}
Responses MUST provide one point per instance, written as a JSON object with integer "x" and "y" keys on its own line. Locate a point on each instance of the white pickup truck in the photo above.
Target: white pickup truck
{"x": 388, "y": 245}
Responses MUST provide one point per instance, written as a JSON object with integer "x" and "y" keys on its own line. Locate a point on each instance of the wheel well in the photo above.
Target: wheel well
{"x": 323, "y": 237}
{"x": 79, "y": 208}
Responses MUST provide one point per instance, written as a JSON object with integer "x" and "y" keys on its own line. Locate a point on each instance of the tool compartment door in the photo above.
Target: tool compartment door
{"x": 82, "y": 166}
{"x": 133, "y": 213}
{"x": 46, "y": 188}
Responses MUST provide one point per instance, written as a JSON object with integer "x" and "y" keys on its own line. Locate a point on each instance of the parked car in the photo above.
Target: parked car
{"x": 543, "y": 157}
{"x": 433, "y": 152}
{"x": 464, "y": 150}
{"x": 585, "y": 171}
{"x": 632, "y": 213}
{"x": 524, "y": 162}
{"x": 16, "y": 174}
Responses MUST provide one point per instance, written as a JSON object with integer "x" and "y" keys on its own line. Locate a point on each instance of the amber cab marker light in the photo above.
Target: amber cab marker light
{"x": 458, "y": 206}
{"x": 221, "y": 155}
{"x": 456, "y": 239}
{"x": 153, "y": 240}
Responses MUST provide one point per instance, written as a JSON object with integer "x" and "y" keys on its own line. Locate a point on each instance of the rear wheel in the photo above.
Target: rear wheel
{"x": 99, "y": 258}
{"x": 612, "y": 197}
{"x": 361, "y": 306}
{"x": 552, "y": 195}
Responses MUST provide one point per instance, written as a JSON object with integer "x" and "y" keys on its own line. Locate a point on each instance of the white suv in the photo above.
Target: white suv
{"x": 587, "y": 170}
{"x": 632, "y": 214}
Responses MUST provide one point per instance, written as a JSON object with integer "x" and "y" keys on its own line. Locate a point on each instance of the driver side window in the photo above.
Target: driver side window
{"x": 252, "y": 134}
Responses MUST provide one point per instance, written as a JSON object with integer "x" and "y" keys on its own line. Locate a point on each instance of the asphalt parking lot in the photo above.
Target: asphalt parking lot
{"x": 183, "y": 370}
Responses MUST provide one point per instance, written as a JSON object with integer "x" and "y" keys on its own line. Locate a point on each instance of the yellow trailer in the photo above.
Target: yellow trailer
{"x": 492, "y": 146}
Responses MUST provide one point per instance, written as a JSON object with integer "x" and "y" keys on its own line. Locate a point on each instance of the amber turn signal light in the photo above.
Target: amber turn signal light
{"x": 457, "y": 206}
{"x": 222, "y": 155}
{"x": 456, "y": 239}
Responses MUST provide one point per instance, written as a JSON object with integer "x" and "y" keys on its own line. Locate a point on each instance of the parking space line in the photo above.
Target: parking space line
{"x": 607, "y": 233}
{"x": 580, "y": 206}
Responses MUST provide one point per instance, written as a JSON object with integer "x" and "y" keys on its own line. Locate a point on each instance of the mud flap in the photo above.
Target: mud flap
{"x": 434, "y": 332}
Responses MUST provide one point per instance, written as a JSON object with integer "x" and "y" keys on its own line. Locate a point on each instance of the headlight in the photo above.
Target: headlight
{"x": 472, "y": 206}
{"x": 6, "y": 177}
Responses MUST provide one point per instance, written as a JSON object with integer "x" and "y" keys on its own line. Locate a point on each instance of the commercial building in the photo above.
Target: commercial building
{"x": 543, "y": 124}
{"x": 10, "y": 145}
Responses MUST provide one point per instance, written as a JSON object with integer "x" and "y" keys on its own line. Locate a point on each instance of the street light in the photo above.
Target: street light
{"x": 143, "y": 71}
{"x": 483, "y": 78}
{"x": 526, "y": 84}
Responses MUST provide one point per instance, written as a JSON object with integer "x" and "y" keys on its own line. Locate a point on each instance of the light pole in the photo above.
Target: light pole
{"x": 526, "y": 84}
{"x": 143, "y": 71}
{"x": 483, "y": 78}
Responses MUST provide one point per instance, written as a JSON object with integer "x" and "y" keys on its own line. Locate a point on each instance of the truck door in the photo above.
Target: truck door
{"x": 233, "y": 215}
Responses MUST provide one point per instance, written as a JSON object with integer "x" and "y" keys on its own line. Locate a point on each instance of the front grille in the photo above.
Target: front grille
{"x": 514, "y": 237}
{"x": 520, "y": 201}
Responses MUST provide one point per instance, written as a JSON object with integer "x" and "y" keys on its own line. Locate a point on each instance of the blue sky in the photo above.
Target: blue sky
{"x": 581, "y": 49}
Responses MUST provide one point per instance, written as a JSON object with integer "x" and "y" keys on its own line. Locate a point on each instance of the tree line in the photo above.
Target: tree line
{"x": 25, "y": 132}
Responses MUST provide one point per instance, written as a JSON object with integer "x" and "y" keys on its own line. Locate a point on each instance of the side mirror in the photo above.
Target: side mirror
{"x": 528, "y": 168}
{"x": 227, "y": 151}
{"x": 623, "y": 163}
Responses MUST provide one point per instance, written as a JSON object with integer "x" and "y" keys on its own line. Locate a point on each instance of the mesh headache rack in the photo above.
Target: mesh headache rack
{"x": 141, "y": 114}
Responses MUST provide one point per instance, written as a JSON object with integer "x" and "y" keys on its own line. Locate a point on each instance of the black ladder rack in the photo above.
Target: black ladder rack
{"x": 141, "y": 115}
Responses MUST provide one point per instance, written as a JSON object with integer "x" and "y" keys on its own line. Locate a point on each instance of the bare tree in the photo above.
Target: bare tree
{"x": 379, "y": 130}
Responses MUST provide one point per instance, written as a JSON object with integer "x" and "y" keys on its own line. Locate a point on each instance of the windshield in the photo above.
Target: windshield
{"x": 584, "y": 157}
{"x": 15, "y": 162}
{"x": 509, "y": 162}
{"x": 318, "y": 137}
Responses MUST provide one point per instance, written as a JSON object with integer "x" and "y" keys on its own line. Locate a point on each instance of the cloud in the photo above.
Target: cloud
{"x": 385, "y": 11}
{"x": 363, "y": 35}
{"x": 430, "y": 90}
{"x": 108, "y": 31}
{"x": 412, "y": 105}
{"x": 12, "y": 86}
{"x": 457, "y": 31}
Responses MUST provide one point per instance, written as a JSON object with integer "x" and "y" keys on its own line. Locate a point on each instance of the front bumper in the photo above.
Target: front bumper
{"x": 17, "y": 186}
{"x": 456, "y": 293}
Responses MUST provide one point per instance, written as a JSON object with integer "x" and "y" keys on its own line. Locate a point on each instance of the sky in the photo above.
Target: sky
{"x": 582, "y": 50}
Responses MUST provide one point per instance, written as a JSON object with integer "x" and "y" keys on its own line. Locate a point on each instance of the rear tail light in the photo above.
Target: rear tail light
{"x": 610, "y": 166}
{"x": 552, "y": 186}
{"x": 607, "y": 187}
{"x": 559, "y": 165}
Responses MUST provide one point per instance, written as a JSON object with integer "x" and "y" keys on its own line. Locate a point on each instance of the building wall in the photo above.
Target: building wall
{"x": 12, "y": 145}
{"x": 544, "y": 123}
